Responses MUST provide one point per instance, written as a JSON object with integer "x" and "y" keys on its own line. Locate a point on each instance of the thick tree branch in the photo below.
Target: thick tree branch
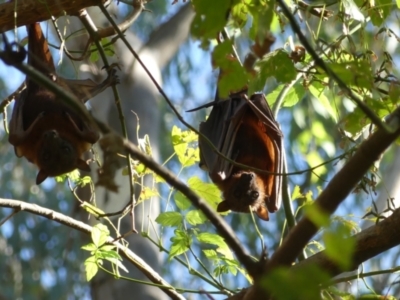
{"x": 369, "y": 243}
{"x": 31, "y": 11}
{"x": 337, "y": 190}
{"x": 152, "y": 275}
{"x": 219, "y": 223}
{"x": 223, "y": 228}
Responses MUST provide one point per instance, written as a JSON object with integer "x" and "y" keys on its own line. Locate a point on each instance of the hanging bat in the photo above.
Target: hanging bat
{"x": 245, "y": 131}
{"x": 45, "y": 130}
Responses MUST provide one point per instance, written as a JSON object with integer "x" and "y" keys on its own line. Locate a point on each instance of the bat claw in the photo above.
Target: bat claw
{"x": 112, "y": 78}
{"x": 13, "y": 53}
{"x": 112, "y": 67}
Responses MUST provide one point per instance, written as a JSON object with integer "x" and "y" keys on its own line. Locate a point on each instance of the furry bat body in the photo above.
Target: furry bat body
{"x": 43, "y": 128}
{"x": 246, "y": 132}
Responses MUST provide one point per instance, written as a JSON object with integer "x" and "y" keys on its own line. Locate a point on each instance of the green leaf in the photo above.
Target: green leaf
{"x": 211, "y": 238}
{"x": 108, "y": 49}
{"x": 94, "y": 56}
{"x": 195, "y": 217}
{"x": 292, "y": 97}
{"x": 82, "y": 181}
{"x": 170, "y": 219}
{"x": 107, "y": 254}
{"x": 296, "y": 194}
{"x": 233, "y": 76}
{"x": 354, "y": 73}
{"x": 317, "y": 216}
{"x": 263, "y": 15}
{"x": 106, "y": 248}
{"x": 147, "y": 193}
{"x": 339, "y": 247}
{"x": 180, "y": 243}
{"x": 354, "y": 122}
{"x": 91, "y": 268}
{"x": 207, "y": 191}
{"x": 99, "y": 234}
{"x": 277, "y": 64}
{"x": 211, "y": 254}
{"x": 381, "y": 11}
{"x": 210, "y": 18}
{"x": 187, "y": 156}
{"x": 298, "y": 284}
{"x": 182, "y": 201}
{"x": 239, "y": 13}
{"x": 215, "y": 239}
{"x": 118, "y": 264}
{"x": 89, "y": 247}
{"x": 317, "y": 90}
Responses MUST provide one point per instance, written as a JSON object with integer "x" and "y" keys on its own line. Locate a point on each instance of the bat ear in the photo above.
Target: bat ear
{"x": 82, "y": 165}
{"x": 223, "y": 206}
{"x": 262, "y": 213}
{"x": 41, "y": 176}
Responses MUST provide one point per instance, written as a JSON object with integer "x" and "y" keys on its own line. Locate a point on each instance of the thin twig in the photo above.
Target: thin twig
{"x": 337, "y": 190}
{"x": 319, "y": 61}
{"x": 182, "y": 120}
{"x": 147, "y": 270}
{"x": 92, "y": 29}
{"x": 222, "y": 227}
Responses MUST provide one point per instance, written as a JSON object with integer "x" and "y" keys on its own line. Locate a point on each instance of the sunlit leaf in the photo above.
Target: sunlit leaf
{"x": 91, "y": 268}
{"x": 180, "y": 243}
{"x": 170, "y": 219}
{"x": 181, "y": 201}
{"x": 99, "y": 234}
{"x": 291, "y": 97}
{"x": 195, "y": 217}
{"x": 207, "y": 191}
{"x": 210, "y": 19}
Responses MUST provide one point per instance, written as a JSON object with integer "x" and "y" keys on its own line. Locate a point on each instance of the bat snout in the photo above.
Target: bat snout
{"x": 247, "y": 177}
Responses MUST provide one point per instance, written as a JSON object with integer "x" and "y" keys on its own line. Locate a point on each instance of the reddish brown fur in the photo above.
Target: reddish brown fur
{"x": 43, "y": 128}
{"x": 253, "y": 148}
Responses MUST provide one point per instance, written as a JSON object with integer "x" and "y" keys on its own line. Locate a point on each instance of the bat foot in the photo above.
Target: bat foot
{"x": 112, "y": 78}
{"x": 13, "y": 53}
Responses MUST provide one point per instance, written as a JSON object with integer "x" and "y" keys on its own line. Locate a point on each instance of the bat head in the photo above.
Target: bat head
{"x": 57, "y": 156}
{"x": 243, "y": 190}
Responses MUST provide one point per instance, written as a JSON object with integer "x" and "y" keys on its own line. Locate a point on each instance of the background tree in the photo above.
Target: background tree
{"x": 334, "y": 86}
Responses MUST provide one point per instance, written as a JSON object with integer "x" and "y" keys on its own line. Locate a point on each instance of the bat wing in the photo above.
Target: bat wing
{"x": 220, "y": 128}
{"x": 16, "y": 129}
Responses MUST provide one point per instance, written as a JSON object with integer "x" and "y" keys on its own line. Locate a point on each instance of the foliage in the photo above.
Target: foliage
{"x": 322, "y": 127}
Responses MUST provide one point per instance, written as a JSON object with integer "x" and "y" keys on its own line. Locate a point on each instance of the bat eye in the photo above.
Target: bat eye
{"x": 254, "y": 195}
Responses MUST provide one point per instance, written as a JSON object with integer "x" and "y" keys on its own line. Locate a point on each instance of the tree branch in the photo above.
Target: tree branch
{"x": 152, "y": 275}
{"x": 222, "y": 227}
{"x": 337, "y": 190}
{"x": 31, "y": 11}
{"x": 369, "y": 243}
